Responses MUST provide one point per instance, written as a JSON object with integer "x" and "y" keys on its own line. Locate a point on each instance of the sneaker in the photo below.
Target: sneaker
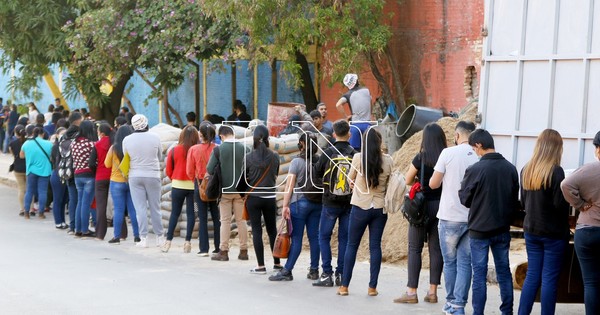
{"x": 78, "y": 234}
{"x": 26, "y": 215}
{"x": 243, "y": 254}
{"x": 325, "y": 281}
{"x": 407, "y": 299}
{"x": 70, "y": 232}
{"x": 64, "y": 226}
{"x": 22, "y": 213}
{"x": 282, "y": 275}
{"x": 202, "y": 254}
{"x": 165, "y": 247}
{"x": 143, "y": 243}
{"x": 258, "y": 271}
{"x": 338, "y": 279}
{"x": 313, "y": 274}
{"x": 187, "y": 247}
{"x": 220, "y": 256}
{"x": 115, "y": 241}
{"x": 88, "y": 234}
{"x": 136, "y": 239}
{"x": 160, "y": 241}
{"x": 58, "y": 226}
{"x": 455, "y": 311}
{"x": 32, "y": 213}
{"x": 446, "y": 307}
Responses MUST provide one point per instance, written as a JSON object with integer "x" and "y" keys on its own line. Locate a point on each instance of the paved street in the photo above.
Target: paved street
{"x": 45, "y": 271}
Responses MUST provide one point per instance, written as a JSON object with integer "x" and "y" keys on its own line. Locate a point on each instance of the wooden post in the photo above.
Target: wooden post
{"x": 233, "y": 83}
{"x": 274, "y": 80}
{"x": 255, "y": 96}
{"x": 197, "y": 91}
{"x": 204, "y": 89}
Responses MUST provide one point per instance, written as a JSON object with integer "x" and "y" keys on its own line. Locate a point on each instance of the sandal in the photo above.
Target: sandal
{"x": 259, "y": 271}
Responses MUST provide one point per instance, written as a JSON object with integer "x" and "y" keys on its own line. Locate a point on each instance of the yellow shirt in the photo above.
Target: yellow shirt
{"x": 112, "y": 161}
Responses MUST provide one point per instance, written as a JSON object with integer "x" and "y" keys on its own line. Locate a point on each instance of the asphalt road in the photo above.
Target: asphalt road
{"x": 46, "y": 271}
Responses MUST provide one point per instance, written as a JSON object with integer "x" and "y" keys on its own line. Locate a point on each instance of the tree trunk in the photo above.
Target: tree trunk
{"x": 396, "y": 81}
{"x": 165, "y": 102}
{"x": 383, "y": 85}
{"x": 110, "y": 109}
{"x": 308, "y": 89}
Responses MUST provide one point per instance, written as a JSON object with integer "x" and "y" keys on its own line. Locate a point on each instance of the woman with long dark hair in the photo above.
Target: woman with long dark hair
{"x": 60, "y": 193}
{"x": 369, "y": 175}
{"x": 434, "y": 141}
{"x": 302, "y": 211}
{"x": 546, "y": 222}
{"x": 36, "y": 152}
{"x": 98, "y": 156}
{"x": 119, "y": 189}
{"x": 18, "y": 165}
{"x": 197, "y": 159}
{"x": 261, "y": 168}
{"x": 81, "y": 150}
{"x": 182, "y": 187}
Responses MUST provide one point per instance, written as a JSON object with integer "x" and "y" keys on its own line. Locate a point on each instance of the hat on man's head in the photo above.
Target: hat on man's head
{"x": 350, "y": 80}
{"x": 139, "y": 122}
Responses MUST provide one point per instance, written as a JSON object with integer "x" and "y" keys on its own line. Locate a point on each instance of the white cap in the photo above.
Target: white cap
{"x": 139, "y": 122}
{"x": 350, "y": 80}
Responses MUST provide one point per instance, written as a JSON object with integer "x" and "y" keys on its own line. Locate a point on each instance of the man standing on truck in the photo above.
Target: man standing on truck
{"x": 491, "y": 190}
{"x": 359, "y": 100}
{"x": 454, "y": 237}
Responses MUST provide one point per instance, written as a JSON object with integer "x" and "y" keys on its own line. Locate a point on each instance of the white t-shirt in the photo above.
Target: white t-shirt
{"x": 453, "y": 162}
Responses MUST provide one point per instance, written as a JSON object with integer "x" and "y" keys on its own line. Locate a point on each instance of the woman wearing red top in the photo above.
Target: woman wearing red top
{"x": 197, "y": 158}
{"x": 182, "y": 186}
{"x": 105, "y": 133}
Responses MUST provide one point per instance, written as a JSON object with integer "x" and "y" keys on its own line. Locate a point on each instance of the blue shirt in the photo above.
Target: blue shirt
{"x": 36, "y": 161}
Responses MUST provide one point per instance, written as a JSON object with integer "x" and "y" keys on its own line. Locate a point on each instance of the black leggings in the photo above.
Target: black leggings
{"x": 416, "y": 240}
{"x": 266, "y": 207}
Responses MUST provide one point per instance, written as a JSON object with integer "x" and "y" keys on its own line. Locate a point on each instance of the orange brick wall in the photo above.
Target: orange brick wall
{"x": 434, "y": 42}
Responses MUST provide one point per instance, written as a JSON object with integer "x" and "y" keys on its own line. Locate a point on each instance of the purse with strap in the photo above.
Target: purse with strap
{"x": 281, "y": 248}
{"x": 245, "y": 215}
{"x": 413, "y": 207}
{"x": 203, "y": 185}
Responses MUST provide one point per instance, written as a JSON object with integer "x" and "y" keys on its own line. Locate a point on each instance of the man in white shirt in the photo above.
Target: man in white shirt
{"x": 454, "y": 235}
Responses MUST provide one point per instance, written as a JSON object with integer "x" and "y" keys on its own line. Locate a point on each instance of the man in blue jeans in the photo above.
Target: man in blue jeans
{"x": 491, "y": 190}
{"x": 336, "y": 205}
{"x": 453, "y": 216}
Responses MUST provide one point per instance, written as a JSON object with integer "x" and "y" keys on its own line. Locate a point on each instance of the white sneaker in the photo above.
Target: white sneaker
{"x": 142, "y": 243}
{"x": 160, "y": 241}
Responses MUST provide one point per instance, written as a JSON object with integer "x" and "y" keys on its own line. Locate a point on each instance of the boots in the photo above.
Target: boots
{"x": 222, "y": 255}
{"x": 243, "y": 254}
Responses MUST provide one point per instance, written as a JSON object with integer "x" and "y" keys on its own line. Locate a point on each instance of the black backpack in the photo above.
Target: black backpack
{"x": 65, "y": 164}
{"x": 312, "y": 186}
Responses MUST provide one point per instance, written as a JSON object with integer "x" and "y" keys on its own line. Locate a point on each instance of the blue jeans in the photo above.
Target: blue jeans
{"x": 121, "y": 202}
{"x": 72, "y": 203}
{"x": 545, "y": 259}
{"x": 328, "y": 217}
{"x": 203, "y": 208}
{"x": 36, "y": 185}
{"x": 375, "y": 219}
{"x": 60, "y": 196}
{"x": 178, "y": 196}
{"x": 456, "y": 251}
{"x": 480, "y": 249}
{"x": 357, "y": 130}
{"x": 85, "y": 196}
{"x": 587, "y": 245}
{"x": 304, "y": 213}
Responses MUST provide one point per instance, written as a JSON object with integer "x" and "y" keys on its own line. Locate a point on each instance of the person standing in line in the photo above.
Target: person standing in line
{"x": 434, "y": 141}
{"x": 119, "y": 190}
{"x": 33, "y": 112}
{"x": 48, "y": 114}
{"x": 582, "y": 191}
{"x": 19, "y": 167}
{"x": 145, "y": 152}
{"x": 64, "y": 142}
{"x": 12, "y": 120}
{"x": 183, "y": 186}
{"x": 491, "y": 190}
{"x": 36, "y": 152}
{"x": 302, "y": 211}
{"x": 453, "y": 216}
{"x": 546, "y": 223}
{"x": 106, "y": 135}
{"x": 359, "y": 100}
{"x": 231, "y": 160}
{"x": 60, "y": 193}
{"x": 261, "y": 167}
{"x": 370, "y": 172}
{"x": 335, "y": 207}
{"x": 197, "y": 159}
{"x": 81, "y": 149}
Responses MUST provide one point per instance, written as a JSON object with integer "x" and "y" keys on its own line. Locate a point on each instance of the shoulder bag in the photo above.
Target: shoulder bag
{"x": 281, "y": 248}
{"x": 413, "y": 207}
{"x": 245, "y": 215}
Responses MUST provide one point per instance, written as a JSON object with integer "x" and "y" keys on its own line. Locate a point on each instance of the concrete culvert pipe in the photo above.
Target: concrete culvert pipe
{"x": 414, "y": 118}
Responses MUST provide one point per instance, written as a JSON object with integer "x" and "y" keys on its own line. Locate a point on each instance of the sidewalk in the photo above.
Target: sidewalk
{"x": 7, "y": 178}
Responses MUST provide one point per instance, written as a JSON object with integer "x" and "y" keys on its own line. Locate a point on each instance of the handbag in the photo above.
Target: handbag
{"x": 203, "y": 188}
{"x": 281, "y": 248}
{"x": 213, "y": 186}
{"x": 245, "y": 215}
{"x": 413, "y": 208}
{"x": 124, "y": 166}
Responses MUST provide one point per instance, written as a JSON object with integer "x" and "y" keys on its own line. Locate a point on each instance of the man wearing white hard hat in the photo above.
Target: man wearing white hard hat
{"x": 359, "y": 101}
{"x": 145, "y": 152}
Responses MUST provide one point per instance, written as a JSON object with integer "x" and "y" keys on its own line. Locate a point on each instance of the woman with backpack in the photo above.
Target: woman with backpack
{"x": 261, "y": 167}
{"x": 434, "y": 141}
{"x": 36, "y": 152}
{"x": 60, "y": 194}
{"x": 105, "y": 134}
{"x": 18, "y": 166}
{"x": 182, "y": 187}
{"x": 303, "y": 206}
{"x": 369, "y": 175}
{"x": 81, "y": 149}
{"x": 197, "y": 159}
{"x": 119, "y": 189}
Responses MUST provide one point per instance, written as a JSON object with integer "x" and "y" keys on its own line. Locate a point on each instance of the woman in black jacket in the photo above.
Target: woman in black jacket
{"x": 18, "y": 165}
{"x": 261, "y": 168}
